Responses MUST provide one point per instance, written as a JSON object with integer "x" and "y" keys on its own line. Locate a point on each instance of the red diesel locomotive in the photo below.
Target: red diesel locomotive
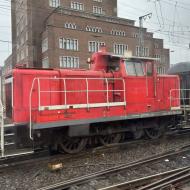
{"x": 65, "y": 108}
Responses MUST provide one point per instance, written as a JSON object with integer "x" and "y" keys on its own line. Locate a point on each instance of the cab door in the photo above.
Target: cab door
{"x": 136, "y": 86}
{"x": 160, "y": 85}
{"x": 150, "y": 85}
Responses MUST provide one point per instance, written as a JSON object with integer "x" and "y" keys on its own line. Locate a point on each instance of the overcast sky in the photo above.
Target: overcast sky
{"x": 169, "y": 21}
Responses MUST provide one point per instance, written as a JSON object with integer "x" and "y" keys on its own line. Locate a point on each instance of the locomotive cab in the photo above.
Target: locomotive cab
{"x": 125, "y": 65}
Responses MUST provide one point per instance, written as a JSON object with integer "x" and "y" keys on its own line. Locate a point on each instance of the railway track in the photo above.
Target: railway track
{"x": 165, "y": 180}
{"x": 89, "y": 161}
{"x": 43, "y": 156}
{"x": 109, "y": 173}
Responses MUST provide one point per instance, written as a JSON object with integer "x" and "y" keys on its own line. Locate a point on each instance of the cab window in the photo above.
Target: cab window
{"x": 139, "y": 69}
{"x": 149, "y": 69}
{"x": 134, "y": 68}
{"x": 130, "y": 68}
{"x": 113, "y": 63}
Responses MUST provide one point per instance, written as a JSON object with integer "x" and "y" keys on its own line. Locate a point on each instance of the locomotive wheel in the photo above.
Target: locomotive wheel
{"x": 154, "y": 132}
{"x": 138, "y": 134}
{"x": 138, "y": 131}
{"x": 72, "y": 145}
{"x": 110, "y": 139}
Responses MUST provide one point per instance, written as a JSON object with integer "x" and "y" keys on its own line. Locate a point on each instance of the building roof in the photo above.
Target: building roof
{"x": 179, "y": 68}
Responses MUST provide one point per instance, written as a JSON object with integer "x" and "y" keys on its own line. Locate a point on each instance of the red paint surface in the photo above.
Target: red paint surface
{"x": 143, "y": 94}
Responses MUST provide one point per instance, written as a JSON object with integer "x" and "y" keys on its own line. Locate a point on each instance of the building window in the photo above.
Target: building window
{"x": 71, "y": 26}
{"x": 54, "y": 3}
{"x": 69, "y": 62}
{"x": 77, "y": 6}
{"x": 45, "y": 63}
{"x": 26, "y": 36}
{"x": 161, "y": 70}
{"x": 18, "y": 57}
{"x": 22, "y": 56}
{"x": 68, "y": 44}
{"x": 44, "y": 45}
{"x": 120, "y": 49}
{"x": 100, "y": 1}
{"x": 94, "y": 29}
{"x": 135, "y": 35}
{"x": 158, "y": 57}
{"x": 21, "y": 24}
{"x": 22, "y": 40}
{"x": 94, "y": 46}
{"x": 137, "y": 51}
{"x": 97, "y": 10}
{"x": 156, "y": 46}
{"x": 118, "y": 33}
{"x": 145, "y": 51}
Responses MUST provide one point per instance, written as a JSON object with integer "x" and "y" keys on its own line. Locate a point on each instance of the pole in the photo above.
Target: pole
{"x": 141, "y": 33}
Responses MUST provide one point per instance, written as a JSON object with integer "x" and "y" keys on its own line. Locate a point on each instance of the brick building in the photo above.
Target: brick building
{"x": 64, "y": 33}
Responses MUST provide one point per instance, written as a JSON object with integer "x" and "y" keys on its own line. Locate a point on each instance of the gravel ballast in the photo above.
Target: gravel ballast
{"x": 36, "y": 175}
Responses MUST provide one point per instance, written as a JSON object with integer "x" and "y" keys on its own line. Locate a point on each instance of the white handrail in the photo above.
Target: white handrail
{"x": 30, "y": 109}
{"x": 124, "y": 90}
{"x": 2, "y": 129}
{"x": 39, "y": 94}
{"x": 180, "y": 95}
{"x": 107, "y": 87}
{"x": 87, "y": 93}
{"x": 65, "y": 91}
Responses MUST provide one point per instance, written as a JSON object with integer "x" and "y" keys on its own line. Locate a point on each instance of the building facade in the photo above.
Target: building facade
{"x": 28, "y": 18}
{"x": 64, "y": 33}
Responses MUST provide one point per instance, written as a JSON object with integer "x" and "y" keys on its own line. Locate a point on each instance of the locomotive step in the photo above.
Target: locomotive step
{"x": 14, "y": 152}
{"x": 9, "y": 143}
{"x": 9, "y": 125}
{"x": 9, "y": 134}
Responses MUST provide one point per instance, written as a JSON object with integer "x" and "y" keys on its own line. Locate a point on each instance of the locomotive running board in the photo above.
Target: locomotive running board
{"x": 175, "y": 108}
{"x": 75, "y": 106}
{"x": 104, "y": 119}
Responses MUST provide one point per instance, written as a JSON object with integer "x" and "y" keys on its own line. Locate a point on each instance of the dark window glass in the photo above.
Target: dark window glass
{"x": 139, "y": 69}
{"x": 149, "y": 69}
{"x": 130, "y": 68}
{"x": 134, "y": 68}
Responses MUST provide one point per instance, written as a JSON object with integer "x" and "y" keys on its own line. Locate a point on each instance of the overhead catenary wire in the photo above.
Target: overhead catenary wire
{"x": 168, "y": 22}
{"x": 155, "y": 5}
{"x": 131, "y": 6}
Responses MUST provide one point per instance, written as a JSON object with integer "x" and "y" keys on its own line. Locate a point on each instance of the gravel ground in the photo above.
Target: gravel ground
{"x": 38, "y": 175}
{"x": 137, "y": 172}
{"x": 185, "y": 187}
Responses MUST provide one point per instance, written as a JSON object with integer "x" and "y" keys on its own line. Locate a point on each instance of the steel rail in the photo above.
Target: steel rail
{"x": 167, "y": 180}
{"x": 140, "y": 181}
{"x": 86, "y": 178}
